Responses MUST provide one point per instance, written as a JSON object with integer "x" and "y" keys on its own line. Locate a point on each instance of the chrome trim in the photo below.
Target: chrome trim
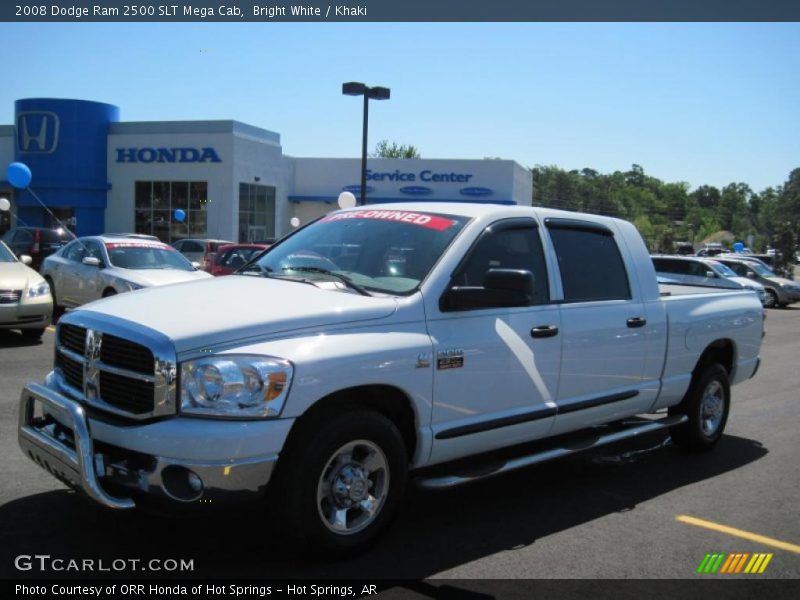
{"x": 448, "y": 481}
{"x": 248, "y": 475}
{"x": 70, "y": 354}
{"x": 100, "y": 365}
{"x": 73, "y": 466}
{"x": 164, "y": 378}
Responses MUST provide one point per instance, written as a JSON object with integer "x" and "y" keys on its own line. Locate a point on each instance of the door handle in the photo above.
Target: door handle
{"x": 637, "y": 322}
{"x": 544, "y": 331}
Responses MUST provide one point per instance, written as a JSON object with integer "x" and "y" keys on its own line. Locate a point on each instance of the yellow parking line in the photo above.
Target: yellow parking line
{"x": 753, "y": 537}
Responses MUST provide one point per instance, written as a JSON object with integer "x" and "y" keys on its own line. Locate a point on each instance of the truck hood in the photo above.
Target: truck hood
{"x": 152, "y": 277}
{"x": 201, "y": 314}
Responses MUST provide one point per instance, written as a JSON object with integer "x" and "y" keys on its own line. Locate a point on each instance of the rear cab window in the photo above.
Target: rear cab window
{"x": 589, "y": 261}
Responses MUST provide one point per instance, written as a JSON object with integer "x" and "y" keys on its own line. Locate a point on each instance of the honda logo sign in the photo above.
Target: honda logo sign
{"x": 37, "y": 132}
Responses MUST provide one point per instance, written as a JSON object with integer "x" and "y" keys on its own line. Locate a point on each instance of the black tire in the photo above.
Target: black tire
{"x": 58, "y": 311}
{"x": 298, "y": 489}
{"x": 33, "y": 334}
{"x": 707, "y": 404}
{"x": 771, "y": 300}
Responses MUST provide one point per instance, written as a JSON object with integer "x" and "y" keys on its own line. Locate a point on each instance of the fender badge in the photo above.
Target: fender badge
{"x": 423, "y": 360}
{"x": 450, "y": 359}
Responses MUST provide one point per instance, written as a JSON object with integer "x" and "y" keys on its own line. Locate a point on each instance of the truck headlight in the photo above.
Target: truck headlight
{"x": 230, "y": 385}
{"x": 132, "y": 287}
{"x": 39, "y": 289}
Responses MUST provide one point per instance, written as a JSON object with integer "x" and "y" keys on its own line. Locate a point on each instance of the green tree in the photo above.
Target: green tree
{"x": 385, "y": 149}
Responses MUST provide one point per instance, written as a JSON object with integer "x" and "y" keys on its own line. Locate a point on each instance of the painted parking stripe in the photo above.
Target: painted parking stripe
{"x": 747, "y": 535}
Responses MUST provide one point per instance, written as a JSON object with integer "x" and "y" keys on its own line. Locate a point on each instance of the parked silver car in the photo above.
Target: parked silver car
{"x": 95, "y": 267}
{"x": 780, "y": 291}
{"x": 25, "y": 301}
{"x": 695, "y": 270}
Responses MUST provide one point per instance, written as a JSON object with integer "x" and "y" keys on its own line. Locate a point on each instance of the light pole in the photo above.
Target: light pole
{"x": 354, "y": 88}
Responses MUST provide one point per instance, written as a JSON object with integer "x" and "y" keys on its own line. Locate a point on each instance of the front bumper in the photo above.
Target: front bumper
{"x": 33, "y": 313}
{"x": 57, "y": 434}
{"x": 790, "y": 296}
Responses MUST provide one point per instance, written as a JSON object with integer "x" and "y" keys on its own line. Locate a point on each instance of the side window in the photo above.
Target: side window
{"x": 513, "y": 248}
{"x": 738, "y": 268}
{"x": 7, "y": 237}
{"x": 23, "y": 236}
{"x": 74, "y": 252}
{"x": 234, "y": 259}
{"x": 178, "y": 246}
{"x": 590, "y": 264}
{"x": 192, "y": 247}
{"x": 668, "y": 265}
{"x": 93, "y": 249}
{"x": 699, "y": 269}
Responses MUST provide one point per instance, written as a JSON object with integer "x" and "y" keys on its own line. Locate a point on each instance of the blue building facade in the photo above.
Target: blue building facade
{"x": 95, "y": 173}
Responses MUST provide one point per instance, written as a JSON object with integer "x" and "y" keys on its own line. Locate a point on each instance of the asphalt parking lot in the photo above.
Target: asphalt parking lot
{"x": 614, "y": 513}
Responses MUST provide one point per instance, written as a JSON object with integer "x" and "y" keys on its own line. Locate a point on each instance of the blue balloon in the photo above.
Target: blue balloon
{"x": 180, "y": 215}
{"x": 738, "y": 247}
{"x": 18, "y": 174}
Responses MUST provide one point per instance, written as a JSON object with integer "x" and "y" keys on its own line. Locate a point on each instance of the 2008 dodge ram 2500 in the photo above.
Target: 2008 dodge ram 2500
{"x": 381, "y": 341}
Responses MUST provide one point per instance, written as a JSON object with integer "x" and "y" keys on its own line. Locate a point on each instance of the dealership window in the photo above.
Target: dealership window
{"x": 157, "y": 201}
{"x": 256, "y": 212}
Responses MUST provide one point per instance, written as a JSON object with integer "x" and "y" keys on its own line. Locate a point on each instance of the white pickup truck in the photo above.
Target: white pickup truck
{"x": 380, "y": 343}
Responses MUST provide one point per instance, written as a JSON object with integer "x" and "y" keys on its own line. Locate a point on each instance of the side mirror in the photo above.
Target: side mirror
{"x": 197, "y": 266}
{"x": 711, "y": 274}
{"x": 751, "y": 274}
{"x": 25, "y": 259}
{"x": 510, "y": 280}
{"x": 92, "y": 261}
{"x": 502, "y": 288}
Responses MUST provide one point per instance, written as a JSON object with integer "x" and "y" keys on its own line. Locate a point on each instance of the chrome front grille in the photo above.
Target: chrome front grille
{"x": 126, "y": 355}
{"x": 72, "y": 338}
{"x": 126, "y": 393}
{"x": 10, "y": 296}
{"x": 115, "y": 374}
{"x": 72, "y": 370}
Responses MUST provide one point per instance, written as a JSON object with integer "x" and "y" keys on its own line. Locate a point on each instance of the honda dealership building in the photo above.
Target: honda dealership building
{"x": 97, "y": 174}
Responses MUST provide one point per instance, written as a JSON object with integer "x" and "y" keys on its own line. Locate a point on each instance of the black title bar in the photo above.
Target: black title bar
{"x": 365, "y": 11}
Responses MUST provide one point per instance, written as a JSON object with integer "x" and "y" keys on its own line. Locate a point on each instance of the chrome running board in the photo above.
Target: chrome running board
{"x": 571, "y": 447}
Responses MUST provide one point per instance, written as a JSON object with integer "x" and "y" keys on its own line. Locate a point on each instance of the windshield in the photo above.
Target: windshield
{"x": 147, "y": 256}
{"x": 721, "y": 269}
{"x": 6, "y": 256}
{"x": 388, "y": 251}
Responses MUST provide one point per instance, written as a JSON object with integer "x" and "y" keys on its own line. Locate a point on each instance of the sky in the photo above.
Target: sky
{"x": 704, "y": 103}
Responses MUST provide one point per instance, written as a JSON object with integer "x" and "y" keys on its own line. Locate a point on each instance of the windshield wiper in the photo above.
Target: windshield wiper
{"x": 255, "y": 268}
{"x": 343, "y": 278}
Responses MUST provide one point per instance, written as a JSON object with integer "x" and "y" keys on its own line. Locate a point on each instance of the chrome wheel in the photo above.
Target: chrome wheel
{"x": 771, "y": 299}
{"x": 712, "y": 408}
{"x": 353, "y": 487}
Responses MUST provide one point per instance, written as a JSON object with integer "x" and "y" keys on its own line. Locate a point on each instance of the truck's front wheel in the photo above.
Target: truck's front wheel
{"x": 706, "y": 404}
{"x": 342, "y": 481}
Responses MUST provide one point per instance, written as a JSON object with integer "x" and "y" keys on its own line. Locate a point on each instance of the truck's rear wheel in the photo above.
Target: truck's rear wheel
{"x": 706, "y": 404}
{"x": 342, "y": 482}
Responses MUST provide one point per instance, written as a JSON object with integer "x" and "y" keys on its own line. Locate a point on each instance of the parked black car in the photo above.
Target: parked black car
{"x": 36, "y": 242}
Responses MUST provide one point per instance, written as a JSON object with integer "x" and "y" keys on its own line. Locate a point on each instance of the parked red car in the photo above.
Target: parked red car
{"x": 200, "y": 250}
{"x": 231, "y": 257}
